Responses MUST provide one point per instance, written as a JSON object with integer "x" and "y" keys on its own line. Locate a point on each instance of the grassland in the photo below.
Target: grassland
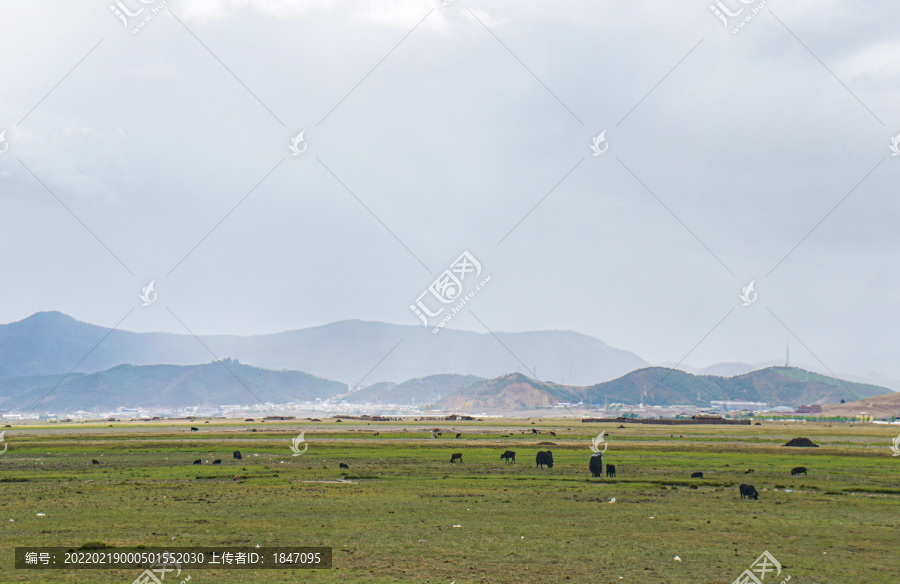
{"x": 393, "y": 519}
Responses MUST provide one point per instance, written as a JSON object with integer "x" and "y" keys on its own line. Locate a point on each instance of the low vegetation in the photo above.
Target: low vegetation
{"x": 403, "y": 513}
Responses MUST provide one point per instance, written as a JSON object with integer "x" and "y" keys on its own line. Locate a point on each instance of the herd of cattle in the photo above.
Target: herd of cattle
{"x": 545, "y": 458}
{"x": 595, "y": 465}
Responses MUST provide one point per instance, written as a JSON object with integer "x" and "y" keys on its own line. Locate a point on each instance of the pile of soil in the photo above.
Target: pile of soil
{"x": 806, "y": 442}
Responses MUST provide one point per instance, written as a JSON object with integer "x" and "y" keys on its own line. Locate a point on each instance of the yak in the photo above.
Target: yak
{"x": 194, "y": 429}
{"x": 697, "y": 475}
{"x": 198, "y": 461}
{"x": 611, "y": 470}
{"x": 217, "y": 461}
{"x": 509, "y": 455}
{"x": 237, "y": 455}
{"x": 95, "y": 461}
{"x": 344, "y": 465}
{"x": 748, "y": 491}
{"x": 459, "y": 435}
{"x": 456, "y": 456}
{"x": 543, "y": 458}
{"x": 798, "y": 470}
{"x": 596, "y": 464}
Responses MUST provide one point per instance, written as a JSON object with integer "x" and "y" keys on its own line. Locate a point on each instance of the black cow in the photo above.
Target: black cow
{"x": 748, "y": 491}
{"x": 697, "y": 475}
{"x": 543, "y": 458}
{"x": 596, "y": 464}
{"x": 455, "y": 456}
{"x": 217, "y": 461}
{"x": 798, "y": 470}
{"x": 237, "y": 455}
{"x": 611, "y": 470}
{"x": 194, "y": 429}
{"x": 509, "y": 455}
{"x": 198, "y": 461}
{"x": 344, "y": 465}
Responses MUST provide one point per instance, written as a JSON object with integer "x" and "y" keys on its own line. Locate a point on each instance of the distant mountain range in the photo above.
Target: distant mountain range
{"x": 354, "y": 352}
{"x": 732, "y": 369}
{"x": 231, "y": 383}
{"x": 777, "y": 386}
{"x": 414, "y": 392}
{"x": 379, "y": 363}
{"x": 163, "y": 386}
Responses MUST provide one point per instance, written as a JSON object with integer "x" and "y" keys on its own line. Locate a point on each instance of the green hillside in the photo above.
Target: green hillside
{"x": 777, "y": 386}
{"x": 163, "y": 386}
{"x": 423, "y": 390}
{"x": 512, "y": 391}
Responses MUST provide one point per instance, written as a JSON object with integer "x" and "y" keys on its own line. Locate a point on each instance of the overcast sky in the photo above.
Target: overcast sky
{"x": 430, "y": 129}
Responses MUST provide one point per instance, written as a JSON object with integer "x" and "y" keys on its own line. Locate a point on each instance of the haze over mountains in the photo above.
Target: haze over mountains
{"x": 47, "y": 343}
{"x": 454, "y": 369}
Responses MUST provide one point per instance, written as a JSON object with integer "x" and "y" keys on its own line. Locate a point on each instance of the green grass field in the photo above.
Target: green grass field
{"x": 393, "y": 520}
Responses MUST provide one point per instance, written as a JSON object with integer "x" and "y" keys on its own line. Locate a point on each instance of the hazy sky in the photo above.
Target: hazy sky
{"x": 431, "y": 129}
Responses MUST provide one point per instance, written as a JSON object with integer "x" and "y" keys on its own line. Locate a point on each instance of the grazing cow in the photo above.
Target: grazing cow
{"x": 217, "y": 461}
{"x": 194, "y": 429}
{"x": 596, "y": 464}
{"x": 535, "y": 431}
{"x": 697, "y": 475}
{"x": 543, "y": 458}
{"x": 748, "y": 471}
{"x": 509, "y": 455}
{"x": 458, "y": 435}
{"x": 95, "y": 461}
{"x": 198, "y": 461}
{"x": 237, "y": 455}
{"x": 798, "y": 470}
{"x": 344, "y": 465}
{"x": 611, "y": 470}
{"x": 552, "y": 433}
{"x": 376, "y": 433}
{"x": 237, "y": 479}
{"x": 749, "y": 491}
{"x": 455, "y": 456}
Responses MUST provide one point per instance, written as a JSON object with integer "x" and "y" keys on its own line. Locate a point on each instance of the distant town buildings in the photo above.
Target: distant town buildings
{"x": 734, "y": 406}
